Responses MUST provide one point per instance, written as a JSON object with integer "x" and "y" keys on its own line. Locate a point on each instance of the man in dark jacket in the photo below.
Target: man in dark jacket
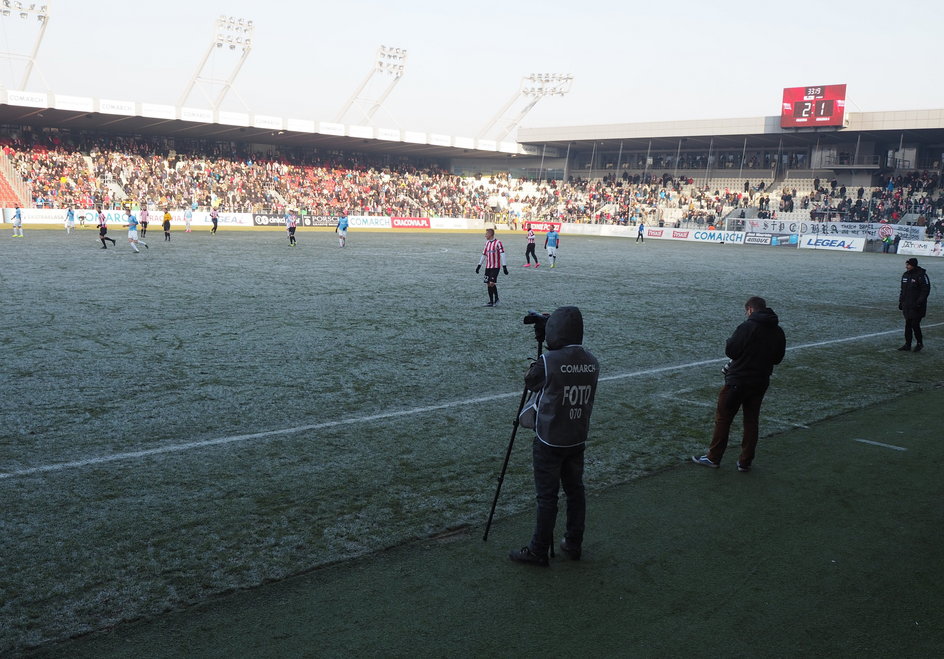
{"x": 565, "y": 379}
{"x": 757, "y": 345}
{"x": 913, "y": 302}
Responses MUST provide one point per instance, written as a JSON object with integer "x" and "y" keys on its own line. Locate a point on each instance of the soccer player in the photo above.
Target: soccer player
{"x": 214, "y": 218}
{"x": 132, "y": 224}
{"x": 166, "y": 224}
{"x": 551, "y": 243}
{"x": 17, "y": 223}
{"x": 103, "y": 230}
{"x": 144, "y": 220}
{"x": 70, "y": 221}
{"x": 291, "y": 223}
{"x": 188, "y": 218}
{"x": 493, "y": 256}
{"x": 529, "y": 250}
{"x": 341, "y": 230}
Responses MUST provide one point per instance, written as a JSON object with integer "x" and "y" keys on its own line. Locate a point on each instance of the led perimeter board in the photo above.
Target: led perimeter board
{"x": 814, "y": 105}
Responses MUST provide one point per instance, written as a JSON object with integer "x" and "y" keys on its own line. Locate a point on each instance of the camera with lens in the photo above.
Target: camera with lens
{"x": 539, "y": 320}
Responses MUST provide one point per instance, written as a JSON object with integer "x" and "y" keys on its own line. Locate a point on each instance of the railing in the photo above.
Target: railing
{"x": 19, "y": 186}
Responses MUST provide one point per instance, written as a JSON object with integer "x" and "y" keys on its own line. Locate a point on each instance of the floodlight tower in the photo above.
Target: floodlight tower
{"x": 231, "y": 33}
{"x": 12, "y": 10}
{"x": 390, "y": 63}
{"x": 534, "y": 87}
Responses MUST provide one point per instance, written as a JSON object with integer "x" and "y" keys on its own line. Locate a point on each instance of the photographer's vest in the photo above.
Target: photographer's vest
{"x": 566, "y": 401}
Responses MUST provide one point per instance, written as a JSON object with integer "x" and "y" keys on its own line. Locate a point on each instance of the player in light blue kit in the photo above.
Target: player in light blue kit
{"x": 341, "y": 230}
{"x": 17, "y": 223}
{"x": 132, "y": 223}
{"x": 551, "y": 242}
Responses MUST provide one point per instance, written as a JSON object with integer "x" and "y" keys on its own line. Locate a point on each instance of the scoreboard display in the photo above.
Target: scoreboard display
{"x": 815, "y": 105}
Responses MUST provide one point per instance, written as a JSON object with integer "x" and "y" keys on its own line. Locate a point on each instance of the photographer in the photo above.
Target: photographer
{"x": 565, "y": 379}
{"x": 757, "y": 345}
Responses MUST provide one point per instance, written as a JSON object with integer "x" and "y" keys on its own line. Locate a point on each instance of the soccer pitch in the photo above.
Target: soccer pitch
{"x": 217, "y": 412}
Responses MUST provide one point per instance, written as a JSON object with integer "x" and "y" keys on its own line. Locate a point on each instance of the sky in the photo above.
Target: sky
{"x": 631, "y": 61}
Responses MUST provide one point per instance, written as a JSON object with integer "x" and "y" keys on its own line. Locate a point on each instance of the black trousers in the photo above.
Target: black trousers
{"x": 555, "y": 467}
{"x": 529, "y": 252}
{"x": 913, "y": 327}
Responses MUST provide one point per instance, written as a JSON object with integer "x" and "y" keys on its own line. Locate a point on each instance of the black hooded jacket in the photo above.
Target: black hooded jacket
{"x": 565, "y": 378}
{"x": 915, "y": 288}
{"x": 757, "y": 345}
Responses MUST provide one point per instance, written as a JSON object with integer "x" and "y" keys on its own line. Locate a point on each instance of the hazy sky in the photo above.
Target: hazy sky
{"x": 631, "y": 61}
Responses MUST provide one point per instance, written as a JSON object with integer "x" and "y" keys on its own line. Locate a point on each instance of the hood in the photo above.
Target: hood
{"x": 765, "y": 317}
{"x": 564, "y": 327}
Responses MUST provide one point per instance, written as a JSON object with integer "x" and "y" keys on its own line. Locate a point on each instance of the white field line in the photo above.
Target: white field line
{"x": 187, "y": 446}
{"x": 701, "y": 403}
{"x": 891, "y": 446}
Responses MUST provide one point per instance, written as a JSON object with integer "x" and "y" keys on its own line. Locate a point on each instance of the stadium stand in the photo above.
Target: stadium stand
{"x": 95, "y": 170}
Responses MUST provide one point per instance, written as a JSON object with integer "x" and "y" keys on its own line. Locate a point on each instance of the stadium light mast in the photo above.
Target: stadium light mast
{"x": 390, "y": 63}
{"x": 231, "y": 34}
{"x": 24, "y": 12}
{"x": 533, "y": 87}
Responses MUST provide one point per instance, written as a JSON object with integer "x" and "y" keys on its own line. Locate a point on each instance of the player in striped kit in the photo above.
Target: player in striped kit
{"x": 103, "y": 229}
{"x": 493, "y": 256}
{"x": 529, "y": 250}
{"x": 291, "y": 223}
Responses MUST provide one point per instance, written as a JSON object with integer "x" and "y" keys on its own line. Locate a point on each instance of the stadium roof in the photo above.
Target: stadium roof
{"x": 81, "y": 113}
{"x": 925, "y": 127}
{"x": 913, "y": 126}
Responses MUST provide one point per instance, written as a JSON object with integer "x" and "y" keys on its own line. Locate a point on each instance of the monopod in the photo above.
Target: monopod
{"x": 539, "y": 321}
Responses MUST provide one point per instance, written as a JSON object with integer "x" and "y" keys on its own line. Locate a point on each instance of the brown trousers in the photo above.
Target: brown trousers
{"x": 730, "y": 399}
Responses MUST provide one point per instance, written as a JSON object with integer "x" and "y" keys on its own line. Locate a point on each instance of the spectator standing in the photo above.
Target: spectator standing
{"x": 755, "y": 347}
{"x": 913, "y": 302}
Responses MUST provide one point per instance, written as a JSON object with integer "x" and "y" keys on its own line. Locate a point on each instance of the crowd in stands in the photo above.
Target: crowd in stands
{"x": 90, "y": 170}
{"x": 890, "y": 200}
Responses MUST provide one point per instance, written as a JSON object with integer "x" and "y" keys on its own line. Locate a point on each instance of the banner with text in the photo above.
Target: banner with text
{"x": 843, "y": 244}
{"x": 920, "y": 247}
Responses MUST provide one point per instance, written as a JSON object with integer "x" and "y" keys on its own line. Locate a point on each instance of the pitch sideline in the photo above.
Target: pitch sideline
{"x": 177, "y": 448}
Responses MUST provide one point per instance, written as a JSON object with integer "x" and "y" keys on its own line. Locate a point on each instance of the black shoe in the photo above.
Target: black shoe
{"x": 103, "y": 247}
{"x": 572, "y": 551}
{"x": 743, "y": 467}
{"x": 525, "y": 555}
{"x": 906, "y": 347}
{"x": 489, "y": 304}
{"x": 918, "y": 347}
